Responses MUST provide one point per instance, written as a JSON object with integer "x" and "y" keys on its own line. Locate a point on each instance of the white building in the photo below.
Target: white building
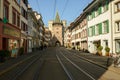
{"x": 116, "y": 25}
{"x": 99, "y": 25}
{"x": 67, "y": 37}
{"x": 79, "y": 32}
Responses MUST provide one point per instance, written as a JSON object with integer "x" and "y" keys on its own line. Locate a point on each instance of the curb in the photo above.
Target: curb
{"x": 107, "y": 68}
{"x": 93, "y": 62}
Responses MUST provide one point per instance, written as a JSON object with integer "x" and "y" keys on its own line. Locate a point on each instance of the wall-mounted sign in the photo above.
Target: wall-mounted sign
{"x": 10, "y": 31}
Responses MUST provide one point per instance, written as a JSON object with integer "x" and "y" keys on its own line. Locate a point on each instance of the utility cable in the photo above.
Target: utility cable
{"x": 54, "y": 9}
{"x": 66, "y": 3}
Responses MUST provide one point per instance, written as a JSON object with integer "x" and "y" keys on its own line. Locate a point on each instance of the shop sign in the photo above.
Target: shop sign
{"x": 10, "y": 31}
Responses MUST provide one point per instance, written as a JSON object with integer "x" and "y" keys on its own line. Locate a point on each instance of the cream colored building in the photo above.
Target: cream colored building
{"x": 57, "y": 29}
{"x": 24, "y": 25}
{"x": 10, "y": 26}
{"x": 48, "y": 36}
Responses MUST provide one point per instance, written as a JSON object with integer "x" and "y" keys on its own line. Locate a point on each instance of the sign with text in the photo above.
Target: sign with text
{"x": 10, "y": 31}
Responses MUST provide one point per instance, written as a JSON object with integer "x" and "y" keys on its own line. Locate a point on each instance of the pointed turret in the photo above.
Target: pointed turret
{"x": 57, "y": 18}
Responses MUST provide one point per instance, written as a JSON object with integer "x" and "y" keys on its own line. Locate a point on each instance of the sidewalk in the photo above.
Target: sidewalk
{"x": 98, "y": 60}
{"x": 4, "y": 67}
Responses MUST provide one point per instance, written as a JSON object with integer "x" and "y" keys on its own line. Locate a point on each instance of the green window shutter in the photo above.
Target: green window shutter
{"x": 99, "y": 10}
{"x": 107, "y": 3}
{"x": 93, "y": 14}
{"x": 93, "y": 30}
{"x": 107, "y": 22}
{"x": 100, "y": 28}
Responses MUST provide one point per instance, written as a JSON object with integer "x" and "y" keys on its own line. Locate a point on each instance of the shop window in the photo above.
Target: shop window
{"x": 117, "y": 7}
{"x": 106, "y": 42}
{"x": 117, "y": 26}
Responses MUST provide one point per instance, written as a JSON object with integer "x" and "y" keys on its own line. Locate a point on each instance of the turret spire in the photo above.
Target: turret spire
{"x": 57, "y": 18}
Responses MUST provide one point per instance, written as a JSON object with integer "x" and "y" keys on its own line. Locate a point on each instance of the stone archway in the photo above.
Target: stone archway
{"x": 57, "y": 43}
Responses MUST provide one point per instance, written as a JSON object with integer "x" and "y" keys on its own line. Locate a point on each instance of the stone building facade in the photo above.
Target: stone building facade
{"x": 57, "y": 28}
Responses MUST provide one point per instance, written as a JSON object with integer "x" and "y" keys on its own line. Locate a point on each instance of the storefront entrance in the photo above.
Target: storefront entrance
{"x": 4, "y": 43}
{"x": 13, "y": 47}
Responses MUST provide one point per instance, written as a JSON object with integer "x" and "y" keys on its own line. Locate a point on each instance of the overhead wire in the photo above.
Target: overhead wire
{"x": 66, "y": 3}
{"x": 77, "y": 14}
{"x": 38, "y": 6}
{"x": 54, "y": 8}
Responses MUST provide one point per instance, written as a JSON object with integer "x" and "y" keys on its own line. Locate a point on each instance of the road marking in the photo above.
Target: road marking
{"x": 66, "y": 71}
{"x": 78, "y": 67}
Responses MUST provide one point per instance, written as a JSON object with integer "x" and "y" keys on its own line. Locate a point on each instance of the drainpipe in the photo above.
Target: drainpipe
{"x": 111, "y": 27}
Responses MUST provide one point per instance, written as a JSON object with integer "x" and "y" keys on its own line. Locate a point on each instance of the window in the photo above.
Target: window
{"x": 90, "y": 31}
{"x": 99, "y": 10}
{"x": 106, "y": 42}
{"x": 117, "y": 43}
{"x": 105, "y": 6}
{"x": 14, "y": 18}
{"x": 96, "y": 12}
{"x": 117, "y": 26}
{"x": 23, "y": 26}
{"x": 18, "y": 20}
{"x": 97, "y": 29}
{"x": 25, "y": 2}
{"x": 18, "y": 1}
{"x": 24, "y": 13}
{"x": 90, "y": 16}
{"x": 93, "y": 14}
{"x": 6, "y": 11}
{"x": 79, "y": 35}
{"x": 105, "y": 27}
{"x": 117, "y": 7}
{"x": 93, "y": 30}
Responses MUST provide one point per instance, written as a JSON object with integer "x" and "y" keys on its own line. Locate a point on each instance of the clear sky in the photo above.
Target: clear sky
{"x": 68, "y": 9}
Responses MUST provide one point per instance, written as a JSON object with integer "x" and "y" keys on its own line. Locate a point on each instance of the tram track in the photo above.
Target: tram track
{"x": 85, "y": 67}
{"x": 85, "y": 58}
{"x": 73, "y": 69}
{"x": 15, "y": 71}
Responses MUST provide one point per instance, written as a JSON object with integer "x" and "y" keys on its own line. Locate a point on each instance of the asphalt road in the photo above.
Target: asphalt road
{"x": 57, "y": 63}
